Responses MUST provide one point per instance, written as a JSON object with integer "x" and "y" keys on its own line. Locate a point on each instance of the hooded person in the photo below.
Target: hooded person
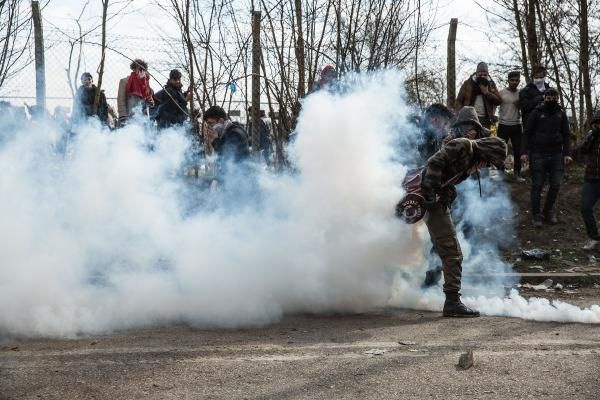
{"x": 547, "y": 147}
{"x": 452, "y": 164}
{"x": 480, "y": 92}
{"x": 467, "y": 125}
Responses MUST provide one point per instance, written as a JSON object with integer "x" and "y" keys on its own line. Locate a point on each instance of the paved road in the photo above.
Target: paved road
{"x": 317, "y": 357}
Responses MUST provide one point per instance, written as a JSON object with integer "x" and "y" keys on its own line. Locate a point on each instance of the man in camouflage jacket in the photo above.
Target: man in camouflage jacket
{"x": 452, "y": 164}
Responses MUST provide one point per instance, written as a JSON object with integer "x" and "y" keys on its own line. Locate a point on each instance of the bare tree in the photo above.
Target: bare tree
{"x": 15, "y": 35}
{"x": 102, "y": 57}
{"x": 76, "y": 45}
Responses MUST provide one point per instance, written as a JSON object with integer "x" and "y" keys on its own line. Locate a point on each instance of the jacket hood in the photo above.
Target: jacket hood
{"x": 467, "y": 114}
{"x": 490, "y": 149}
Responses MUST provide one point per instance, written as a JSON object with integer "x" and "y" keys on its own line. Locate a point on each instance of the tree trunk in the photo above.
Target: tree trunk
{"x": 40, "y": 65}
{"x": 101, "y": 67}
{"x": 522, "y": 40}
{"x": 256, "y": 52}
{"x": 451, "y": 63}
{"x": 584, "y": 61}
{"x": 532, "y": 40}
{"x": 190, "y": 48}
{"x": 300, "y": 55}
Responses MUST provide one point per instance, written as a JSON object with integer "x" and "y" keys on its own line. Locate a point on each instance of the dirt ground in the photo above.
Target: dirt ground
{"x": 385, "y": 354}
{"x": 563, "y": 241}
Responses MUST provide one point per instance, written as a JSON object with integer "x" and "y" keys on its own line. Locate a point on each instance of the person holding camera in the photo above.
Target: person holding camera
{"x": 480, "y": 91}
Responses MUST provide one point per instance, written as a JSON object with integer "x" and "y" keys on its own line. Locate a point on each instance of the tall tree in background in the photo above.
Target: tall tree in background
{"x": 102, "y": 57}
{"x": 15, "y": 38}
{"x": 584, "y": 59}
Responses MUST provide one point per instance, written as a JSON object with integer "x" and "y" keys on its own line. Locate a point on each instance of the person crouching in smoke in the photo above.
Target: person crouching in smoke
{"x": 467, "y": 126}
{"x": 452, "y": 164}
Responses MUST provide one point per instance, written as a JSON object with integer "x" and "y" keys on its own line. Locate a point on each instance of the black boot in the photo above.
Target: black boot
{"x": 454, "y": 308}
{"x": 432, "y": 277}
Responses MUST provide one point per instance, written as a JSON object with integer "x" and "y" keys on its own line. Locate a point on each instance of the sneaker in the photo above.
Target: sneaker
{"x": 591, "y": 244}
{"x": 550, "y": 218}
{"x": 537, "y": 221}
{"x": 456, "y": 309}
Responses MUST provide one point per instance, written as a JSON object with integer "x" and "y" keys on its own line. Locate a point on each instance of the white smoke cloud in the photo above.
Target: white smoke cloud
{"x": 104, "y": 239}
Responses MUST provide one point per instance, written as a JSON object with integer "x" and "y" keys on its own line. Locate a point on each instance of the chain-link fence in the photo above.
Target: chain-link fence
{"x": 66, "y": 59}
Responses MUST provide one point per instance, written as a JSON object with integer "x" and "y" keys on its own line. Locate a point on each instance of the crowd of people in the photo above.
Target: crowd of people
{"x": 229, "y": 141}
{"x": 455, "y": 142}
{"x": 531, "y": 120}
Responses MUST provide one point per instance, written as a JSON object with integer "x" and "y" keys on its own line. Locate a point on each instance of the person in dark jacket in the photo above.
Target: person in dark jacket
{"x": 231, "y": 141}
{"x": 83, "y": 104}
{"x": 547, "y": 144}
{"x": 434, "y": 128}
{"x": 454, "y": 163}
{"x": 172, "y": 102}
{"x": 532, "y": 95}
{"x": 591, "y": 182}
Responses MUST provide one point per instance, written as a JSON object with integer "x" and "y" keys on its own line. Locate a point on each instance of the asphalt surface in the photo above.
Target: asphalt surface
{"x": 317, "y": 357}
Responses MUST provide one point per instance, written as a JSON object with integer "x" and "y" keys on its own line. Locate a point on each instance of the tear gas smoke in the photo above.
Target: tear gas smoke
{"x": 110, "y": 236}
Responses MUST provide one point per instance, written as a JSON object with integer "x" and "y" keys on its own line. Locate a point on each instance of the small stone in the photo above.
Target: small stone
{"x": 407, "y": 343}
{"x": 558, "y": 286}
{"x": 375, "y": 352}
{"x": 94, "y": 343}
{"x": 465, "y": 361}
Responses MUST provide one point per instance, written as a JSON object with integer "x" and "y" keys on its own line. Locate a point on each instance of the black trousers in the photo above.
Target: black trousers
{"x": 589, "y": 196}
{"x": 512, "y": 133}
{"x": 544, "y": 166}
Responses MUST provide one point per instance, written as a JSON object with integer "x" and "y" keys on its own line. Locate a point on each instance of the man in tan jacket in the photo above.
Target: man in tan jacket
{"x": 122, "y": 110}
{"x": 480, "y": 91}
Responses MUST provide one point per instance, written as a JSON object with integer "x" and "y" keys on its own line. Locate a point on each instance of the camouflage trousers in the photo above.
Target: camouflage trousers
{"x": 443, "y": 236}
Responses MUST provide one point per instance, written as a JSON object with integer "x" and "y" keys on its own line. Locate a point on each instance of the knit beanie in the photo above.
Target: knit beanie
{"x": 482, "y": 67}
